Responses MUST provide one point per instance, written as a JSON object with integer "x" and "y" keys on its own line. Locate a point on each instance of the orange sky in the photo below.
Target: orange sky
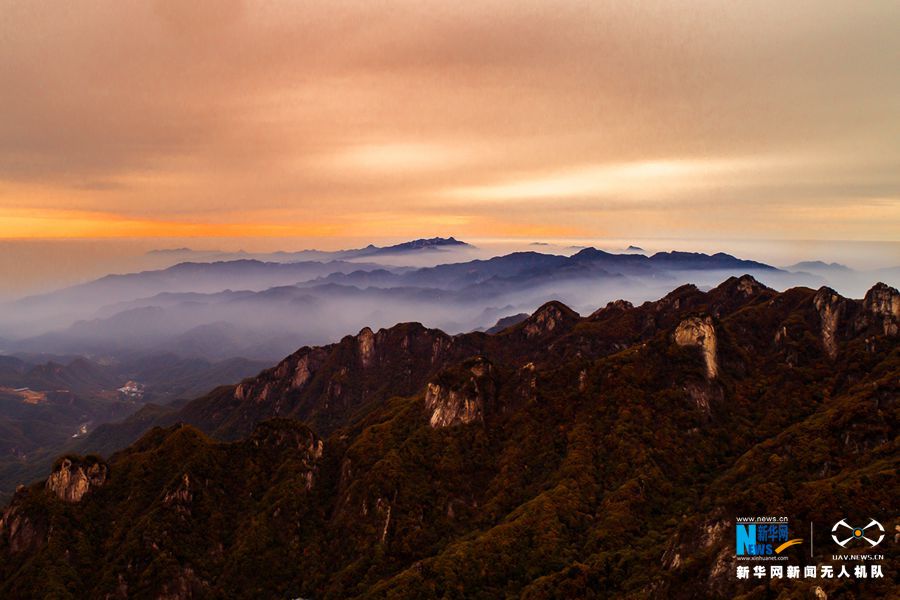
{"x": 342, "y": 119}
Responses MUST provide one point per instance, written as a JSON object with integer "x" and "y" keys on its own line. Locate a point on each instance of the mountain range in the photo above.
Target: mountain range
{"x": 262, "y": 310}
{"x": 564, "y": 456}
{"x": 430, "y": 245}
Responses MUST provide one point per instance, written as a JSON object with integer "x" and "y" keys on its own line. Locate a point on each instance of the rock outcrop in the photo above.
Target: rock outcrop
{"x": 883, "y": 302}
{"x": 460, "y": 398}
{"x": 366, "y": 340}
{"x": 699, "y": 332}
{"x": 291, "y": 374}
{"x": 73, "y": 477}
{"x": 831, "y": 307}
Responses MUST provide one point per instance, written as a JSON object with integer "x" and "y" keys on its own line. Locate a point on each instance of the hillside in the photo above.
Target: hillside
{"x": 562, "y": 457}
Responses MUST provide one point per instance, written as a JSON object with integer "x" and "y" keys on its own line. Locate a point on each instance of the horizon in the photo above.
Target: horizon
{"x": 39, "y": 265}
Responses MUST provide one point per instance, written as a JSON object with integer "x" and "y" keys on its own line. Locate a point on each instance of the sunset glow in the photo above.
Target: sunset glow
{"x": 331, "y": 120}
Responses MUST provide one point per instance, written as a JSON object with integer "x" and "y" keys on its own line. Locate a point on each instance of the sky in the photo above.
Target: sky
{"x": 326, "y": 121}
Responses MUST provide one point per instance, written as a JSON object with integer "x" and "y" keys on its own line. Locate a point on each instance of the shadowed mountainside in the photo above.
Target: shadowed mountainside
{"x": 565, "y": 456}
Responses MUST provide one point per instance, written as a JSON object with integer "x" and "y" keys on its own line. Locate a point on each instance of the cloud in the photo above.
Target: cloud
{"x": 226, "y": 112}
{"x": 636, "y": 179}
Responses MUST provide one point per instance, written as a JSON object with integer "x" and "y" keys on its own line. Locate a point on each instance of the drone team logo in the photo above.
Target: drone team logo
{"x": 843, "y": 533}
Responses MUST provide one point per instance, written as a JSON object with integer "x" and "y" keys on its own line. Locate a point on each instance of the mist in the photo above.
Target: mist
{"x": 217, "y": 304}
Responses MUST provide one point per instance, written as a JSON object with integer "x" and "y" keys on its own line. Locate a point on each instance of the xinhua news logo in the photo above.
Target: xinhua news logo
{"x": 763, "y": 539}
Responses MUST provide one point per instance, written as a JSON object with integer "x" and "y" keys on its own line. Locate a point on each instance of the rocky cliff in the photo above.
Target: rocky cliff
{"x": 699, "y": 332}
{"x": 72, "y": 478}
{"x": 461, "y": 398}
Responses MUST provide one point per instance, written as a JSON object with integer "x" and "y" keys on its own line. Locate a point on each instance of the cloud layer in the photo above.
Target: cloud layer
{"x": 224, "y": 118}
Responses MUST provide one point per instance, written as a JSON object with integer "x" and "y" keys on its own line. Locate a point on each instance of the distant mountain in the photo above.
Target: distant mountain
{"x": 205, "y": 272}
{"x": 61, "y": 308}
{"x": 697, "y": 261}
{"x": 818, "y": 265}
{"x": 436, "y": 243}
{"x": 850, "y": 281}
{"x": 178, "y": 251}
{"x": 566, "y": 456}
{"x": 266, "y": 323}
{"x": 507, "y": 322}
{"x": 410, "y": 247}
{"x": 196, "y": 277}
{"x": 532, "y": 274}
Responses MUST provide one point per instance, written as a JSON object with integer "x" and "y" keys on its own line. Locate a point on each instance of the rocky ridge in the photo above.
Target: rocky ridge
{"x": 557, "y": 457}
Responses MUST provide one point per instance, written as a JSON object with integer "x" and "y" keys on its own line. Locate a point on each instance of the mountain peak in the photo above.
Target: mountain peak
{"x": 590, "y": 252}
{"x": 745, "y": 285}
{"x": 817, "y": 265}
{"x": 614, "y": 307}
{"x": 698, "y": 260}
{"x": 882, "y": 288}
{"x": 424, "y": 244}
{"x": 551, "y": 316}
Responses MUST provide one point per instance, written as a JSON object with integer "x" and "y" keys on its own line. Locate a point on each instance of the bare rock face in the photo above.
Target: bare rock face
{"x": 459, "y": 399}
{"x": 883, "y": 302}
{"x": 831, "y": 307}
{"x": 291, "y": 374}
{"x": 72, "y": 478}
{"x": 302, "y": 372}
{"x": 699, "y": 332}
{"x": 366, "y": 340}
